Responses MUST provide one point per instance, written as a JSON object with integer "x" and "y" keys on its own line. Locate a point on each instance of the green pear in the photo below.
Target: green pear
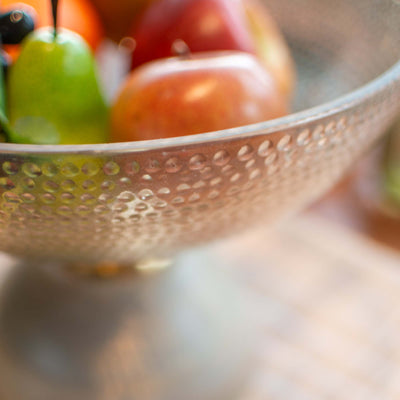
{"x": 54, "y": 96}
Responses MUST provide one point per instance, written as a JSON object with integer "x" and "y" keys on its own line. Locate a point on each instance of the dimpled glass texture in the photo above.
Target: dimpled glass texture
{"x": 122, "y": 202}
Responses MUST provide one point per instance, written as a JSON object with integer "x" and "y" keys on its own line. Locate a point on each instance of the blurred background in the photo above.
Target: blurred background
{"x": 367, "y": 200}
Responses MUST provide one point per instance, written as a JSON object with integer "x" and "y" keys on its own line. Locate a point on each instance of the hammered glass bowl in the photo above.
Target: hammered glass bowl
{"x": 126, "y": 202}
{"x": 123, "y": 202}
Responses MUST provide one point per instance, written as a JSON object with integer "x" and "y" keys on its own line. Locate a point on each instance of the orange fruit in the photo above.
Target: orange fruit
{"x": 76, "y": 15}
{"x": 119, "y": 15}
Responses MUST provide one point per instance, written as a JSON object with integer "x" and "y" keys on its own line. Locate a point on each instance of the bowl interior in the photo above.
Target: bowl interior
{"x": 338, "y": 47}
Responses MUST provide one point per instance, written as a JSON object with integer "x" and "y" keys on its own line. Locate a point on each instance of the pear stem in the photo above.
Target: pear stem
{"x": 54, "y": 7}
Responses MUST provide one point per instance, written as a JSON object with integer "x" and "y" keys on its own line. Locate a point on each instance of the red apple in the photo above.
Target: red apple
{"x": 204, "y": 25}
{"x": 208, "y": 25}
{"x": 195, "y": 94}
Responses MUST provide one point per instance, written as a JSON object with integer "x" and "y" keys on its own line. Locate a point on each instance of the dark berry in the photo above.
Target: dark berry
{"x": 14, "y": 26}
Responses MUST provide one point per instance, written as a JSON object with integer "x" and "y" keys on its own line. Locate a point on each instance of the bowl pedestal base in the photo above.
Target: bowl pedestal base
{"x": 184, "y": 333}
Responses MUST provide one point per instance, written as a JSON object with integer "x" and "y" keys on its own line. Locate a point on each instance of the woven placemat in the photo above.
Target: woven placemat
{"x": 330, "y": 312}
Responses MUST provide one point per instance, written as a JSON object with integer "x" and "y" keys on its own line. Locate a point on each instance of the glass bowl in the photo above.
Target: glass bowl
{"x": 123, "y": 202}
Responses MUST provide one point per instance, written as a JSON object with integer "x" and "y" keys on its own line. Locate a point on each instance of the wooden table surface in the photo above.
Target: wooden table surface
{"x": 331, "y": 318}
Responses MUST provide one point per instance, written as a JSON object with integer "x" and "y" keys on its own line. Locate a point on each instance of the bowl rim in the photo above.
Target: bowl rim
{"x": 294, "y": 120}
